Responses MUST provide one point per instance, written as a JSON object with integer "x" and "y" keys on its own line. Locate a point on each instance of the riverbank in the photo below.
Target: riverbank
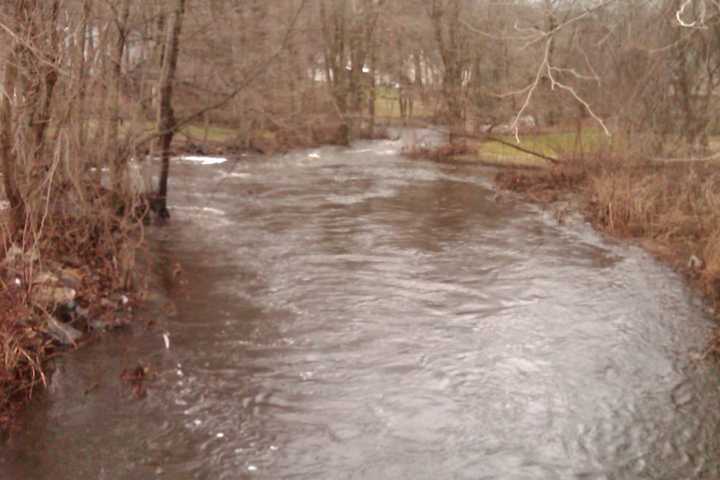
{"x": 54, "y": 302}
{"x": 312, "y": 132}
{"x": 670, "y": 209}
{"x": 76, "y": 286}
{"x": 353, "y": 291}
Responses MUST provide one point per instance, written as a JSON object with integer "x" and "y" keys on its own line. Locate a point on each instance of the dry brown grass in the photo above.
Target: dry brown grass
{"x": 21, "y": 354}
{"x": 439, "y": 153}
{"x": 547, "y": 184}
{"x": 99, "y": 246}
{"x": 675, "y": 206}
{"x": 665, "y": 203}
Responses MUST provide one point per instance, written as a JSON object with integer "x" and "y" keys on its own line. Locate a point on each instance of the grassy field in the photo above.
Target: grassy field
{"x": 215, "y": 134}
{"x": 387, "y": 105}
{"x": 555, "y": 145}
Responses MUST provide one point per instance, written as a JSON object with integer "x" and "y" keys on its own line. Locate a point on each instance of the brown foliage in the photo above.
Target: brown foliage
{"x": 441, "y": 153}
{"x": 21, "y": 352}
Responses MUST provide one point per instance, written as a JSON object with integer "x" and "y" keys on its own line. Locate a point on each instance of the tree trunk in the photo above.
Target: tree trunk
{"x": 447, "y": 27}
{"x": 80, "y": 58}
{"x": 7, "y": 151}
{"x": 29, "y": 80}
{"x": 116, "y": 160}
{"x": 166, "y": 116}
{"x": 551, "y": 24}
{"x": 372, "y": 96}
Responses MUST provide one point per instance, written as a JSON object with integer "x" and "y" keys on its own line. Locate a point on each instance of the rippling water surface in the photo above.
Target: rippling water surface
{"x": 353, "y": 314}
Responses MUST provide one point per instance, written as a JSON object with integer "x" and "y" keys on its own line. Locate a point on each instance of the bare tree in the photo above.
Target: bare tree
{"x": 166, "y": 115}
{"x": 349, "y": 29}
{"x": 449, "y": 34}
{"x": 30, "y": 79}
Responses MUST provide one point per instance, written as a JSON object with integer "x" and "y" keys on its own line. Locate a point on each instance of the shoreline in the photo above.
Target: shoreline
{"x": 688, "y": 247}
{"x": 82, "y": 300}
{"x": 669, "y": 209}
{"x": 53, "y": 307}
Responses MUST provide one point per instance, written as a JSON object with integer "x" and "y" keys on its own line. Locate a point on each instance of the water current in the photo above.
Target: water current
{"x": 353, "y": 314}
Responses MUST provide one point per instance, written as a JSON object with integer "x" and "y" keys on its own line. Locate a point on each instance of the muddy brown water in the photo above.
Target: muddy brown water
{"x": 352, "y": 314}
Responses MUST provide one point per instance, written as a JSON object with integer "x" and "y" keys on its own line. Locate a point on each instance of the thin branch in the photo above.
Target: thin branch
{"x": 699, "y": 23}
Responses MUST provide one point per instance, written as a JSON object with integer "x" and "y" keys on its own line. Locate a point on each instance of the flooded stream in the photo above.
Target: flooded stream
{"x": 349, "y": 313}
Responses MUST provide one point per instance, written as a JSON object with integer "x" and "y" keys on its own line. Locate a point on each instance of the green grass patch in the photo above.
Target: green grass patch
{"x": 551, "y": 144}
{"x": 215, "y": 134}
{"x": 388, "y": 106}
{"x": 555, "y": 145}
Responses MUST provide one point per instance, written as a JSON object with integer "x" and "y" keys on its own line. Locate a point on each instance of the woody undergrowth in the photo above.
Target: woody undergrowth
{"x": 71, "y": 150}
{"x": 671, "y": 209}
{"x": 88, "y": 249}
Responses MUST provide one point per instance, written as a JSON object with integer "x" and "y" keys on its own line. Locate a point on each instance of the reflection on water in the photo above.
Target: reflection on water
{"x": 351, "y": 314}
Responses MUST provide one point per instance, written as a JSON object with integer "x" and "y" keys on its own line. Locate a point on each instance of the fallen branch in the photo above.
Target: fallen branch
{"x": 515, "y": 146}
{"x": 552, "y": 160}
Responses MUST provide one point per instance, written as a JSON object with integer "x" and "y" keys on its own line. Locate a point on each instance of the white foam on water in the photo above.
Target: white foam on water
{"x": 236, "y": 175}
{"x": 214, "y": 211}
{"x": 361, "y": 197}
{"x": 203, "y": 160}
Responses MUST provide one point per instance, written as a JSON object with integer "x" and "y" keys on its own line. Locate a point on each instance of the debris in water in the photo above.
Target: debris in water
{"x": 252, "y": 468}
{"x": 695, "y": 263}
{"x": 166, "y": 340}
{"x": 136, "y": 378}
{"x": 177, "y": 270}
{"x": 220, "y": 435}
{"x": 62, "y": 332}
{"x": 91, "y": 388}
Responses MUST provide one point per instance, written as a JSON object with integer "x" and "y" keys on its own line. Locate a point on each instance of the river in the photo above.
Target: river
{"x": 352, "y": 314}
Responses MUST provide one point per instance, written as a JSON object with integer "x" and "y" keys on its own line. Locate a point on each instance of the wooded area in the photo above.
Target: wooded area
{"x": 100, "y": 95}
{"x": 95, "y": 84}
